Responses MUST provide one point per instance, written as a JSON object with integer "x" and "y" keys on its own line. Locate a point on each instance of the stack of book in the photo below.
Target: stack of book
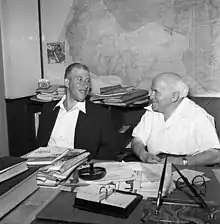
{"x": 116, "y": 89}
{"x": 11, "y": 166}
{"x": 58, "y": 163}
{"x": 120, "y": 96}
{"x": 45, "y": 155}
{"x": 17, "y": 182}
{"x": 53, "y": 92}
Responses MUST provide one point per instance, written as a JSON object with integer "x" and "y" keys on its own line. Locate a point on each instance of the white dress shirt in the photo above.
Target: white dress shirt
{"x": 64, "y": 129}
{"x": 189, "y": 130}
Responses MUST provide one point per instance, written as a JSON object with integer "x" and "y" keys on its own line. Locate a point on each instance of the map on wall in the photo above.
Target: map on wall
{"x": 135, "y": 40}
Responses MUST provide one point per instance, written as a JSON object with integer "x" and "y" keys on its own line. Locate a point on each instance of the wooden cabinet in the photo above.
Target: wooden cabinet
{"x": 21, "y": 125}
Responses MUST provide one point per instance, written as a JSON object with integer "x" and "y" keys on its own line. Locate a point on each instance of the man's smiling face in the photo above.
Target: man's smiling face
{"x": 78, "y": 84}
{"x": 161, "y": 96}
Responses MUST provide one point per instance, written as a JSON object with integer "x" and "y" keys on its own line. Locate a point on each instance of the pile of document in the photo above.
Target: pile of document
{"x": 45, "y": 155}
{"x": 120, "y": 96}
{"x": 148, "y": 177}
{"x": 134, "y": 177}
{"x": 53, "y": 92}
{"x": 17, "y": 182}
{"x": 53, "y": 175}
{"x": 61, "y": 163}
{"x": 11, "y": 166}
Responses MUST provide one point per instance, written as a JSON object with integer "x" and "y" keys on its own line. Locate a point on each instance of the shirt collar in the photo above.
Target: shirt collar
{"x": 179, "y": 112}
{"x": 149, "y": 108}
{"x": 79, "y": 105}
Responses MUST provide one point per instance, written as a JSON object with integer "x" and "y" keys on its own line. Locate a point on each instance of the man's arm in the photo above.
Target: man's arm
{"x": 208, "y": 157}
{"x": 207, "y": 141}
{"x": 138, "y": 148}
{"x": 140, "y": 136}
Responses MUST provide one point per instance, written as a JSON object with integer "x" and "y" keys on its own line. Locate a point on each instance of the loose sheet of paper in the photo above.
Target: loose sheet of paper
{"x": 115, "y": 171}
{"x": 189, "y": 174}
{"x": 217, "y": 174}
{"x": 147, "y": 179}
{"x": 46, "y": 152}
{"x": 136, "y": 177}
{"x": 119, "y": 200}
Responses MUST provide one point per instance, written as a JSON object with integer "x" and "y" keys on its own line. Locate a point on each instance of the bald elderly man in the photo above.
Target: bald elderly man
{"x": 175, "y": 125}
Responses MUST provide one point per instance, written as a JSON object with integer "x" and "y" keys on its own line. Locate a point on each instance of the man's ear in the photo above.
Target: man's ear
{"x": 175, "y": 96}
{"x": 66, "y": 83}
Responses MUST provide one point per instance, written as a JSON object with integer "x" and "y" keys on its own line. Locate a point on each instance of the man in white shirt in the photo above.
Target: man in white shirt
{"x": 175, "y": 125}
{"x": 75, "y": 122}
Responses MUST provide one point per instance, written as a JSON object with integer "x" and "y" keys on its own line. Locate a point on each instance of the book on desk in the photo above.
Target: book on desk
{"x": 14, "y": 190}
{"x": 52, "y": 175}
{"x": 11, "y": 166}
{"x": 45, "y": 155}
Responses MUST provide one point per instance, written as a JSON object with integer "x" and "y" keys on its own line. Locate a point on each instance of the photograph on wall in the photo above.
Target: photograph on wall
{"x": 56, "y": 52}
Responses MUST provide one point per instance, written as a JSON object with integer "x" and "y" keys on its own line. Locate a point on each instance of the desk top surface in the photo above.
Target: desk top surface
{"x": 27, "y": 210}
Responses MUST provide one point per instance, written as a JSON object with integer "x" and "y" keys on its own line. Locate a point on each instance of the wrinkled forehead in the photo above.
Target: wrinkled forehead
{"x": 78, "y": 72}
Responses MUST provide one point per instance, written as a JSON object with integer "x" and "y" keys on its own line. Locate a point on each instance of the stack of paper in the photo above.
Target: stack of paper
{"x": 14, "y": 190}
{"x": 53, "y": 92}
{"x": 11, "y": 166}
{"x": 54, "y": 174}
{"x": 189, "y": 174}
{"x": 147, "y": 179}
{"x": 135, "y": 177}
{"x": 115, "y": 89}
{"x": 128, "y": 98}
{"x": 45, "y": 155}
{"x": 121, "y": 97}
{"x": 115, "y": 171}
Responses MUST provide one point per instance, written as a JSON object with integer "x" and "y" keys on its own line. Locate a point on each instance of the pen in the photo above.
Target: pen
{"x": 75, "y": 184}
{"x": 204, "y": 205}
{"x": 160, "y": 190}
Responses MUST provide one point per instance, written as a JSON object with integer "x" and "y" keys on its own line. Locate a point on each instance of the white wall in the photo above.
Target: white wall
{"x": 3, "y": 126}
{"x": 21, "y": 52}
{"x": 54, "y": 14}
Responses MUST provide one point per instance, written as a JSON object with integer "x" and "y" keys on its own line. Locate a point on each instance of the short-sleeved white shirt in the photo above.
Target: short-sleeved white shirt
{"x": 189, "y": 130}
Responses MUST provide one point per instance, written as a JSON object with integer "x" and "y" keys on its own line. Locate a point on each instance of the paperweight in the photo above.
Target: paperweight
{"x": 91, "y": 172}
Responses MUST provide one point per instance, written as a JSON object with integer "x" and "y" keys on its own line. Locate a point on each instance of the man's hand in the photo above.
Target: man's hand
{"x": 173, "y": 159}
{"x": 147, "y": 157}
{"x": 139, "y": 149}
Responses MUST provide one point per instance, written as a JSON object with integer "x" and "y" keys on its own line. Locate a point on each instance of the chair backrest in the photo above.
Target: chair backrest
{"x": 212, "y": 106}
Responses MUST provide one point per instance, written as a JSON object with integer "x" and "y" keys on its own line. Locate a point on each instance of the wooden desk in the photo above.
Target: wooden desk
{"x": 25, "y": 213}
{"x": 187, "y": 214}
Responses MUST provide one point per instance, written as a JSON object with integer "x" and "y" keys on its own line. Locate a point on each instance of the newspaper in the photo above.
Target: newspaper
{"x": 52, "y": 175}
{"x": 135, "y": 177}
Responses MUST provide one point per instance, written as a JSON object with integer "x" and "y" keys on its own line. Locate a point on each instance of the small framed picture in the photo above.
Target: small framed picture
{"x": 56, "y": 52}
